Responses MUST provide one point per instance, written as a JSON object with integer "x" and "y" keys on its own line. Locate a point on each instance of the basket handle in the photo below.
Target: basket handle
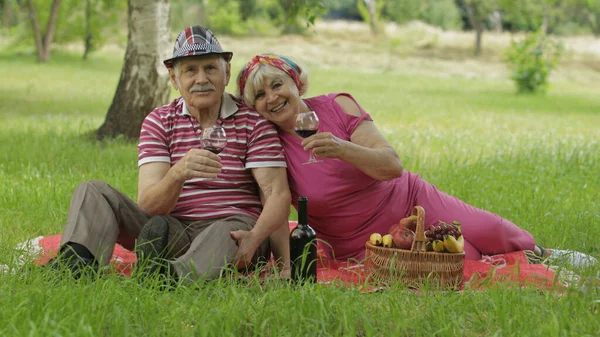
{"x": 419, "y": 241}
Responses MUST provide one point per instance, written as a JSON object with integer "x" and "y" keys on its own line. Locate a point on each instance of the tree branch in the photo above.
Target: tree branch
{"x": 36, "y": 28}
{"x": 51, "y": 23}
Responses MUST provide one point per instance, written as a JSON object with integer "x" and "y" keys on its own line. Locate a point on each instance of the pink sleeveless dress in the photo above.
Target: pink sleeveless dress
{"x": 345, "y": 206}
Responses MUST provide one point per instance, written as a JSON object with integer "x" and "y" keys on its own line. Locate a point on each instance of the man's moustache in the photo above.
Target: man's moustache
{"x": 204, "y": 87}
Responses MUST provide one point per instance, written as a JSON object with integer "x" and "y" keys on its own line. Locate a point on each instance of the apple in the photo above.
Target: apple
{"x": 403, "y": 237}
{"x": 410, "y": 223}
{"x": 393, "y": 228}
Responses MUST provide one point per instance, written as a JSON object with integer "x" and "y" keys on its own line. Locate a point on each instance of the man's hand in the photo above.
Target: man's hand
{"x": 247, "y": 245}
{"x": 324, "y": 145}
{"x": 198, "y": 163}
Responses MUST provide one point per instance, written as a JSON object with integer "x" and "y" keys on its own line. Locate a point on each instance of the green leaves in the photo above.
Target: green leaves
{"x": 531, "y": 61}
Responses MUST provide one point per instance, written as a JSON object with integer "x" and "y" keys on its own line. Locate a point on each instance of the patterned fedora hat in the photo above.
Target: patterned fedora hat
{"x": 196, "y": 41}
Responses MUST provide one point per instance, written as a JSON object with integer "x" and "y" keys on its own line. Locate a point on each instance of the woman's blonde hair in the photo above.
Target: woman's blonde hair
{"x": 262, "y": 71}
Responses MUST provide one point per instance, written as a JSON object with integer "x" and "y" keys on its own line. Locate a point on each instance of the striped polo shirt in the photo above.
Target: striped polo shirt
{"x": 170, "y": 131}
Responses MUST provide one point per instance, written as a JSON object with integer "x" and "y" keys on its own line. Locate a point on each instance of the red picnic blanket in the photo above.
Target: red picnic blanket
{"x": 511, "y": 267}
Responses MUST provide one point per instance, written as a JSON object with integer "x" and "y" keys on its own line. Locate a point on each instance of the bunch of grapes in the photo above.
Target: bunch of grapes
{"x": 441, "y": 230}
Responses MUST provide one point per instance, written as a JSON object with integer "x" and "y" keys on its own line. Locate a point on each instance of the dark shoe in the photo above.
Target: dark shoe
{"x": 76, "y": 259}
{"x": 151, "y": 246}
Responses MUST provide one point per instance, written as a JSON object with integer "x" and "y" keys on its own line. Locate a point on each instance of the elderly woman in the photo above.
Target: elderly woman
{"x": 359, "y": 186}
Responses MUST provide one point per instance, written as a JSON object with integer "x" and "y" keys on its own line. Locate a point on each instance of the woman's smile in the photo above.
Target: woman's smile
{"x": 279, "y": 107}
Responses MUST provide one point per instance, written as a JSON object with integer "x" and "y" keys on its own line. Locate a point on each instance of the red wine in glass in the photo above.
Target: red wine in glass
{"x": 213, "y": 149}
{"x": 305, "y": 133}
{"x": 214, "y": 139}
{"x": 306, "y": 125}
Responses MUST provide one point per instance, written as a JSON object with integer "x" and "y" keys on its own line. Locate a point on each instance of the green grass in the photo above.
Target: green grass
{"x": 533, "y": 159}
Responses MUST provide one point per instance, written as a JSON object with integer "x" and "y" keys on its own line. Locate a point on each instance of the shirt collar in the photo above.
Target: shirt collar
{"x": 228, "y": 107}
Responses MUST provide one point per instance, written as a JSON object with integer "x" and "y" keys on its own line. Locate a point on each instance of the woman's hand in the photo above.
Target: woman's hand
{"x": 325, "y": 145}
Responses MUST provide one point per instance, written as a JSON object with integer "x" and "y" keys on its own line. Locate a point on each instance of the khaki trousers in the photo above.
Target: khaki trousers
{"x": 100, "y": 216}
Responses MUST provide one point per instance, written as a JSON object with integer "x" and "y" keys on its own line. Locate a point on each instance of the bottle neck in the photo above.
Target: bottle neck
{"x": 302, "y": 213}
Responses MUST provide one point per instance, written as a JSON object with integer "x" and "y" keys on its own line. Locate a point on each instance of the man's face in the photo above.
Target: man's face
{"x": 201, "y": 80}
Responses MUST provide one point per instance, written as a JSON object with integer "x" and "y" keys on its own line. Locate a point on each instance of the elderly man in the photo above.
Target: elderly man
{"x": 197, "y": 211}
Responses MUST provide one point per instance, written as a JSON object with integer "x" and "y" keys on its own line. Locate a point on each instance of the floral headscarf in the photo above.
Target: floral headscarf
{"x": 279, "y": 62}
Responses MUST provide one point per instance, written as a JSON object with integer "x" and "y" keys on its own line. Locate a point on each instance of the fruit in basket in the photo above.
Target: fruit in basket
{"x": 429, "y": 245}
{"x": 410, "y": 223}
{"x": 438, "y": 246}
{"x": 446, "y": 237}
{"x": 387, "y": 241}
{"x": 457, "y": 224}
{"x": 403, "y": 238}
{"x": 393, "y": 228}
{"x": 437, "y": 232}
{"x": 454, "y": 245}
{"x": 375, "y": 239}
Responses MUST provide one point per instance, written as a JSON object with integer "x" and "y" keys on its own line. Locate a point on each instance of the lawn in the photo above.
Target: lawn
{"x": 533, "y": 159}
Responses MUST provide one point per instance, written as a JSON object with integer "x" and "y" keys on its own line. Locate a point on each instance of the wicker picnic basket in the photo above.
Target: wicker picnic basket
{"x": 416, "y": 266}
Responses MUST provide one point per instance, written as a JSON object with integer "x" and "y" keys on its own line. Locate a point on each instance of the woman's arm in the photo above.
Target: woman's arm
{"x": 367, "y": 149}
{"x": 280, "y": 246}
{"x": 276, "y": 198}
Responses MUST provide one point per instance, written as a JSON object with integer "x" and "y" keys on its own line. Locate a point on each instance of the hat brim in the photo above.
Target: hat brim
{"x": 169, "y": 62}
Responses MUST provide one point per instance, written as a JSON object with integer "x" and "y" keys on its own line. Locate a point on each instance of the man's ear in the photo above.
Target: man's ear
{"x": 173, "y": 78}
{"x": 227, "y": 73}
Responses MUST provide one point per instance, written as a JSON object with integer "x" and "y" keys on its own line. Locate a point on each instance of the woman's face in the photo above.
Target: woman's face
{"x": 278, "y": 100}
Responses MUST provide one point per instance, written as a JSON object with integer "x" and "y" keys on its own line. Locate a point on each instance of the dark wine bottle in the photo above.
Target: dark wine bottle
{"x": 303, "y": 247}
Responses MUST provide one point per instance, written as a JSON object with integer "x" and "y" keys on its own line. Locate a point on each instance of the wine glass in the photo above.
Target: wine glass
{"x": 306, "y": 125}
{"x": 213, "y": 139}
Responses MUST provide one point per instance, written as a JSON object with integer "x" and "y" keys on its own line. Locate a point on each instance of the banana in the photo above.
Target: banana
{"x": 387, "y": 241}
{"x": 453, "y": 245}
{"x": 375, "y": 239}
{"x": 438, "y": 246}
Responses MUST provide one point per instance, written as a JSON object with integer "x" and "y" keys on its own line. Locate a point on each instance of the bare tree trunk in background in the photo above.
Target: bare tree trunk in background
{"x": 43, "y": 42}
{"x": 35, "y": 26}
{"x": 544, "y": 27}
{"x": 478, "y": 37}
{"x": 144, "y": 83}
{"x": 496, "y": 19}
{"x": 370, "y": 4}
{"x": 7, "y": 14}
{"x": 203, "y": 15}
{"x": 88, "y": 29}
{"x": 476, "y": 20}
{"x": 290, "y": 26}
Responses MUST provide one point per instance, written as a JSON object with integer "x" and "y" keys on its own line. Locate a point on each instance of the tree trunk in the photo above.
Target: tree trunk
{"x": 477, "y": 22}
{"x": 203, "y": 15}
{"x": 544, "y": 27}
{"x": 35, "y": 26}
{"x": 88, "y": 29}
{"x": 50, "y": 28}
{"x": 478, "y": 36}
{"x": 144, "y": 83}
{"x": 370, "y": 4}
{"x": 496, "y": 19}
{"x": 7, "y": 14}
{"x": 290, "y": 23}
{"x": 43, "y": 42}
